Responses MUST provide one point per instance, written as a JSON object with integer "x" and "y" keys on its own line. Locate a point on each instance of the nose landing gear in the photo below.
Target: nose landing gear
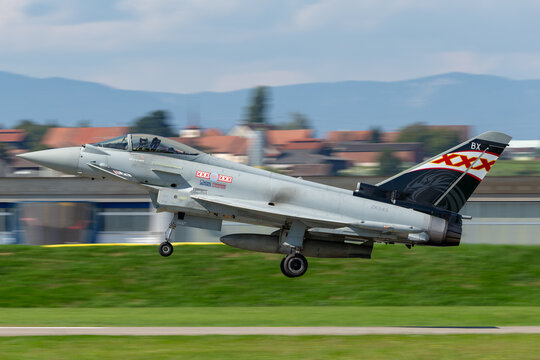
{"x": 166, "y": 248}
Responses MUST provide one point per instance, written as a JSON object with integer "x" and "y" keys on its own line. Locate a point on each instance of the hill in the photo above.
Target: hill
{"x": 483, "y": 101}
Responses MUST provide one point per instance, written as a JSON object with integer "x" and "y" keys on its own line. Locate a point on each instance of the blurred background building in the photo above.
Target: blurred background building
{"x": 505, "y": 210}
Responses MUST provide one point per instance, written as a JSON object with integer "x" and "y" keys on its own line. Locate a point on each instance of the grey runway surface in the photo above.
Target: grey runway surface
{"x": 263, "y": 330}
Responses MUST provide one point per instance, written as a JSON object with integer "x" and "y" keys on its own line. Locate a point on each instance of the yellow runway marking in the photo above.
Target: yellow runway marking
{"x": 133, "y": 244}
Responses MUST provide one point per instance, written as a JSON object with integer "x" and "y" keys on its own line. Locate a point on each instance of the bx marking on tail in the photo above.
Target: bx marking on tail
{"x": 448, "y": 179}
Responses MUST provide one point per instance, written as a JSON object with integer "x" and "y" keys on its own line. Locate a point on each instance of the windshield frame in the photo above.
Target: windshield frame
{"x": 174, "y": 148}
{"x": 161, "y": 145}
{"x": 127, "y": 147}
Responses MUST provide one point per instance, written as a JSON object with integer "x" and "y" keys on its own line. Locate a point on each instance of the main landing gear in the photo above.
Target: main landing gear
{"x": 294, "y": 265}
{"x": 166, "y": 248}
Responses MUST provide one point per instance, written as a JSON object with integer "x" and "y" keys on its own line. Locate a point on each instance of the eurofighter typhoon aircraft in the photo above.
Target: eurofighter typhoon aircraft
{"x": 419, "y": 206}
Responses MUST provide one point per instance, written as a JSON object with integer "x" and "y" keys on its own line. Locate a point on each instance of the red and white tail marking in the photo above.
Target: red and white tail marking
{"x": 462, "y": 160}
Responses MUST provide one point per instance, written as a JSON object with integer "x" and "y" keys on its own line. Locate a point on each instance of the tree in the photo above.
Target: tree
{"x": 4, "y": 156}
{"x": 84, "y": 123}
{"x": 434, "y": 141}
{"x": 298, "y": 121}
{"x": 259, "y": 104}
{"x": 375, "y": 134}
{"x": 441, "y": 140}
{"x": 155, "y": 123}
{"x": 417, "y": 132}
{"x": 34, "y": 133}
{"x": 388, "y": 163}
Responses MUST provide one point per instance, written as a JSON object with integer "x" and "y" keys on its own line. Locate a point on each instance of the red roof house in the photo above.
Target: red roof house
{"x": 12, "y": 135}
{"x": 62, "y": 137}
{"x": 281, "y": 137}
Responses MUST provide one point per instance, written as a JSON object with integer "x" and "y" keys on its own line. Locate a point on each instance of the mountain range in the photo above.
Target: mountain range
{"x": 484, "y": 101}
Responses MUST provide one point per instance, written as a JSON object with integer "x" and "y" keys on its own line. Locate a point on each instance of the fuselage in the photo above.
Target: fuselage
{"x": 210, "y": 175}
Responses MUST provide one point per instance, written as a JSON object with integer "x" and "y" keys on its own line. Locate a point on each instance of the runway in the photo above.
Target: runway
{"x": 262, "y": 330}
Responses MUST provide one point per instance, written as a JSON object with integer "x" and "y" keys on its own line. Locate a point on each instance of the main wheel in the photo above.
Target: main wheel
{"x": 282, "y": 267}
{"x": 294, "y": 265}
{"x": 165, "y": 248}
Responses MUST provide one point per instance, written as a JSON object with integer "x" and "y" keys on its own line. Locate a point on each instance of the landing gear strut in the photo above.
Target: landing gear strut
{"x": 166, "y": 248}
{"x": 294, "y": 265}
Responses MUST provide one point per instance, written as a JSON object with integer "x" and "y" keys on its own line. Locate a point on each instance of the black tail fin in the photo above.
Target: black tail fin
{"x": 448, "y": 179}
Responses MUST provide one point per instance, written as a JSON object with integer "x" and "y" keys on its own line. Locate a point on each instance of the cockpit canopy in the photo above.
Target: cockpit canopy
{"x": 148, "y": 143}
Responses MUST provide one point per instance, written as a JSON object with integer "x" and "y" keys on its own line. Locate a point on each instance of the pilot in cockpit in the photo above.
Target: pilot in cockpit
{"x": 154, "y": 144}
{"x": 143, "y": 144}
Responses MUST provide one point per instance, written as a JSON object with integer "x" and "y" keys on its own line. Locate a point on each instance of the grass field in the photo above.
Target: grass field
{"x": 440, "y": 347}
{"x": 136, "y": 276}
{"x": 471, "y": 285}
{"x": 274, "y": 316}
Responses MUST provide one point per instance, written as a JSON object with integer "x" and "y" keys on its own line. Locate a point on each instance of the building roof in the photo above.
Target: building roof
{"x": 342, "y": 136}
{"x": 223, "y": 144}
{"x": 62, "y": 137}
{"x": 367, "y": 147}
{"x": 303, "y": 144}
{"x": 282, "y": 137}
{"x": 12, "y": 135}
{"x": 390, "y": 136}
{"x": 212, "y": 132}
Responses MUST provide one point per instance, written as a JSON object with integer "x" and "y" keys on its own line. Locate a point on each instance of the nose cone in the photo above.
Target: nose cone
{"x": 64, "y": 159}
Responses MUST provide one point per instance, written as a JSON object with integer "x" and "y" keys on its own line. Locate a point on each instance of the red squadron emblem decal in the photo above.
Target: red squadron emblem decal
{"x": 225, "y": 178}
{"x": 457, "y": 160}
{"x": 213, "y": 176}
{"x": 202, "y": 174}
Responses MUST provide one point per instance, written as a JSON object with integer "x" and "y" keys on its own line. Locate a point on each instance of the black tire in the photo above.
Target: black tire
{"x": 294, "y": 265}
{"x": 282, "y": 266}
{"x": 165, "y": 248}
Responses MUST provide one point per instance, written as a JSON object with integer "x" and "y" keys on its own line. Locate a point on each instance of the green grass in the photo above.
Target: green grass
{"x": 515, "y": 168}
{"x": 440, "y": 347}
{"x": 274, "y": 316}
{"x": 116, "y": 276}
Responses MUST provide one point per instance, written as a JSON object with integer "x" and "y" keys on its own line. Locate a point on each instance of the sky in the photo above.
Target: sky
{"x": 187, "y": 46}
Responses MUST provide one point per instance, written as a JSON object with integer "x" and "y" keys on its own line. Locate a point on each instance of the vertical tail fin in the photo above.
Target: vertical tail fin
{"x": 448, "y": 179}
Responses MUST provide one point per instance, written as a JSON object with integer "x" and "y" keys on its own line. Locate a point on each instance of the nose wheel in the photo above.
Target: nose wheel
{"x": 294, "y": 265}
{"x": 166, "y": 248}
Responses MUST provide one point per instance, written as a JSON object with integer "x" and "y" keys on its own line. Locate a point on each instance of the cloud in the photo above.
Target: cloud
{"x": 194, "y": 45}
{"x": 29, "y": 25}
{"x": 351, "y": 14}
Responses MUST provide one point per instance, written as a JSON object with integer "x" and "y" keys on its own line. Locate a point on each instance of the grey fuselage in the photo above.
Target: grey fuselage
{"x": 178, "y": 177}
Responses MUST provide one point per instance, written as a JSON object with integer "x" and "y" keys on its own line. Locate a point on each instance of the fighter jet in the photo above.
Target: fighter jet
{"x": 419, "y": 206}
